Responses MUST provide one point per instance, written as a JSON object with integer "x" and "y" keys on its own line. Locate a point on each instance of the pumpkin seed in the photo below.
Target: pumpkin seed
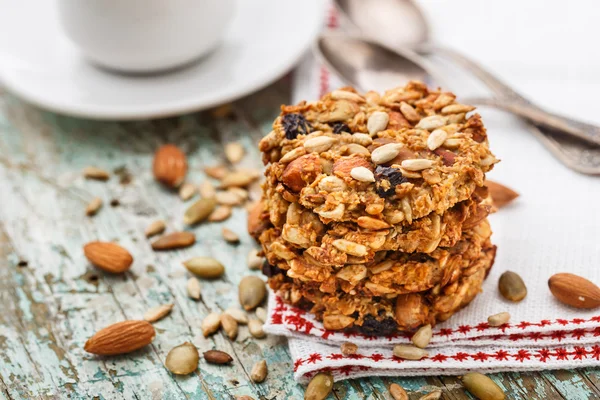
{"x": 348, "y": 348}
{"x": 259, "y": 371}
{"x": 93, "y": 206}
{"x": 239, "y": 315}
{"x": 261, "y": 314}
{"x": 435, "y": 395}
{"x": 408, "y": 352}
{"x": 256, "y": 329}
{"x": 199, "y": 211}
{"x": 251, "y": 292}
{"x": 319, "y": 387}
{"x": 158, "y": 312}
{"x": 512, "y": 287}
{"x": 210, "y": 324}
{"x": 217, "y": 357}
{"x": 397, "y": 392}
{"x": 422, "y": 337}
{"x": 482, "y": 386}
{"x": 183, "y": 359}
{"x": 498, "y": 319}
{"x": 95, "y": 173}
{"x": 155, "y": 228}
{"x": 175, "y": 240}
{"x": 187, "y": 191}
{"x": 193, "y": 288}
{"x": 205, "y": 267}
{"x": 254, "y": 261}
{"x": 230, "y": 326}
{"x": 230, "y": 236}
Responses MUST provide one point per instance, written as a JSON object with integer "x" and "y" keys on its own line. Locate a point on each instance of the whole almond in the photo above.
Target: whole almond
{"x": 158, "y": 312}
{"x": 175, "y": 240}
{"x": 574, "y": 290}
{"x": 170, "y": 166}
{"x": 109, "y": 257}
{"x": 230, "y": 326}
{"x": 199, "y": 211}
{"x": 155, "y": 228}
{"x": 500, "y": 194}
{"x": 217, "y": 357}
{"x": 120, "y": 338}
{"x": 259, "y": 371}
{"x": 95, "y": 173}
{"x": 183, "y": 359}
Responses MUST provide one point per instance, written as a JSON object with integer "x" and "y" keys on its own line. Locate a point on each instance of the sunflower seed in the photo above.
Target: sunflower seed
{"x": 230, "y": 326}
{"x": 261, "y": 314}
{"x": 443, "y": 100}
{"x": 349, "y": 247}
{"x": 254, "y": 261}
{"x": 175, "y": 240}
{"x": 377, "y": 122}
{"x": 220, "y": 213}
{"x": 319, "y": 144}
{"x": 348, "y": 348}
{"x": 210, "y": 324}
{"x": 417, "y": 164}
{"x": 187, "y": 191}
{"x": 95, "y": 173}
{"x": 362, "y": 174}
{"x": 234, "y": 152}
{"x": 452, "y": 143}
{"x": 385, "y": 153}
{"x": 199, "y": 211}
{"x": 346, "y": 95}
{"x": 409, "y": 112}
{"x": 482, "y": 386}
{"x": 207, "y": 189}
{"x": 216, "y": 172}
{"x": 319, "y": 387}
{"x": 432, "y": 122}
{"x": 205, "y": 267}
{"x": 93, "y": 207}
{"x": 457, "y": 109}
{"x": 239, "y": 315}
{"x": 217, "y": 357}
{"x": 436, "y": 139}
{"x": 183, "y": 359}
{"x": 334, "y": 214}
{"x": 237, "y": 179}
{"x": 498, "y": 319}
{"x": 397, "y": 392}
{"x": 422, "y": 337}
{"x": 332, "y": 184}
{"x": 193, "y": 288}
{"x": 251, "y": 291}
{"x": 256, "y": 328}
{"x": 487, "y": 161}
{"x": 408, "y": 352}
{"x": 231, "y": 197}
{"x": 354, "y": 148}
{"x": 158, "y": 312}
{"x": 292, "y": 155}
{"x": 259, "y": 371}
{"x": 435, "y": 395}
{"x": 230, "y": 236}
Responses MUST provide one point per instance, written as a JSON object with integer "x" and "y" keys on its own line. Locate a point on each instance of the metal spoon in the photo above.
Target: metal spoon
{"x": 400, "y": 23}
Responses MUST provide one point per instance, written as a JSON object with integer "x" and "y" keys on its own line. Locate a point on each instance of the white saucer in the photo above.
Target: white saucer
{"x": 39, "y": 64}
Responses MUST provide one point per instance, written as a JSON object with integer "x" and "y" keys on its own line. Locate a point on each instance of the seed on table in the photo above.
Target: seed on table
{"x": 422, "y": 337}
{"x": 183, "y": 359}
{"x": 234, "y": 152}
{"x": 435, "y": 395}
{"x": 259, "y": 371}
{"x": 155, "y": 228}
{"x": 187, "y": 191}
{"x": 230, "y": 197}
{"x": 230, "y": 326}
{"x": 261, "y": 314}
{"x": 199, "y": 211}
{"x": 512, "y": 287}
{"x": 158, "y": 312}
{"x": 96, "y": 173}
{"x": 482, "y": 386}
{"x": 498, "y": 319}
{"x": 221, "y": 213}
{"x": 254, "y": 261}
{"x": 362, "y": 174}
{"x": 244, "y": 397}
{"x": 239, "y": 315}
{"x": 397, "y": 392}
{"x": 574, "y": 290}
{"x": 216, "y": 171}
{"x": 205, "y": 267}
{"x": 230, "y": 236}
{"x": 251, "y": 292}
{"x": 93, "y": 206}
{"x": 175, "y": 240}
{"x": 217, "y": 357}
{"x": 210, "y": 324}
{"x": 348, "y": 348}
{"x": 319, "y": 387}
{"x": 193, "y": 288}
{"x": 256, "y": 328}
{"x": 237, "y": 179}
{"x": 207, "y": 190}
{"x": 408, "y": 352}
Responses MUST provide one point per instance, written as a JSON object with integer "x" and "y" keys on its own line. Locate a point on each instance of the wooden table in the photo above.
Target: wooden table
{"x": 55, "y": 300}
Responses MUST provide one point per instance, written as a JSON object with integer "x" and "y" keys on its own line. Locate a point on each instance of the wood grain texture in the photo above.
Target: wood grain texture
{"x": 55, "y": 302}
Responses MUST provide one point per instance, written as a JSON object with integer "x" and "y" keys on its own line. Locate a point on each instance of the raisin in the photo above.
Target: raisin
{"x": 294, "y": 125}
{"x": 386, "y": 180}
{"x": 340, "y": 127}
{"x": 374, "y": 327}
{"x": 271, "y": 270}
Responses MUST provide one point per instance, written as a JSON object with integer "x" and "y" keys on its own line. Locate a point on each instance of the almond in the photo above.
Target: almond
{"x": 258, "y": 220}
{"x": 301, "y": 171}
{"x": 175, "y": 240}
{"x": 574, "y": 290}
{"x": 109, "y": 257}
{"x": 170, "y": 166}
{"x": 343, "y": 167}
{"x": 501, "y": 195}
{"x": 120, "y": 338}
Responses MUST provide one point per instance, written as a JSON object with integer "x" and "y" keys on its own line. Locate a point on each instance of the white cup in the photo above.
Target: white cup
{"x": 145, "y": 35}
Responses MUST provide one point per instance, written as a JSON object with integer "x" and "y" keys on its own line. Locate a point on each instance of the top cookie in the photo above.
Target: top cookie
{"x": 395, "y": 157}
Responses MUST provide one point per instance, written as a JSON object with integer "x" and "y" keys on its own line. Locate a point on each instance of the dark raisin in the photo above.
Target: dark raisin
{"x": 294, "y": 125}
{"x": 374, "y": 327}
{"x": 386, "y": 180}
{"x": 339, "y": 127}
{"x": 271, "y": 270}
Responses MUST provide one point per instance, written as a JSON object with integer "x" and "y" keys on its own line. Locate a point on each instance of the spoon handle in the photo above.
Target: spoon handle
{"x": 579, "y": 129}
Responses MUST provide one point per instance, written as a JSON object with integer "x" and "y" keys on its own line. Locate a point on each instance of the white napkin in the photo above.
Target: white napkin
{"x": 554, "y": 226}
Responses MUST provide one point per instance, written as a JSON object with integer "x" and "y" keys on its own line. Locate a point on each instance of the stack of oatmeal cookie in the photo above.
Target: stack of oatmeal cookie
{"x": 373, "y": 214}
